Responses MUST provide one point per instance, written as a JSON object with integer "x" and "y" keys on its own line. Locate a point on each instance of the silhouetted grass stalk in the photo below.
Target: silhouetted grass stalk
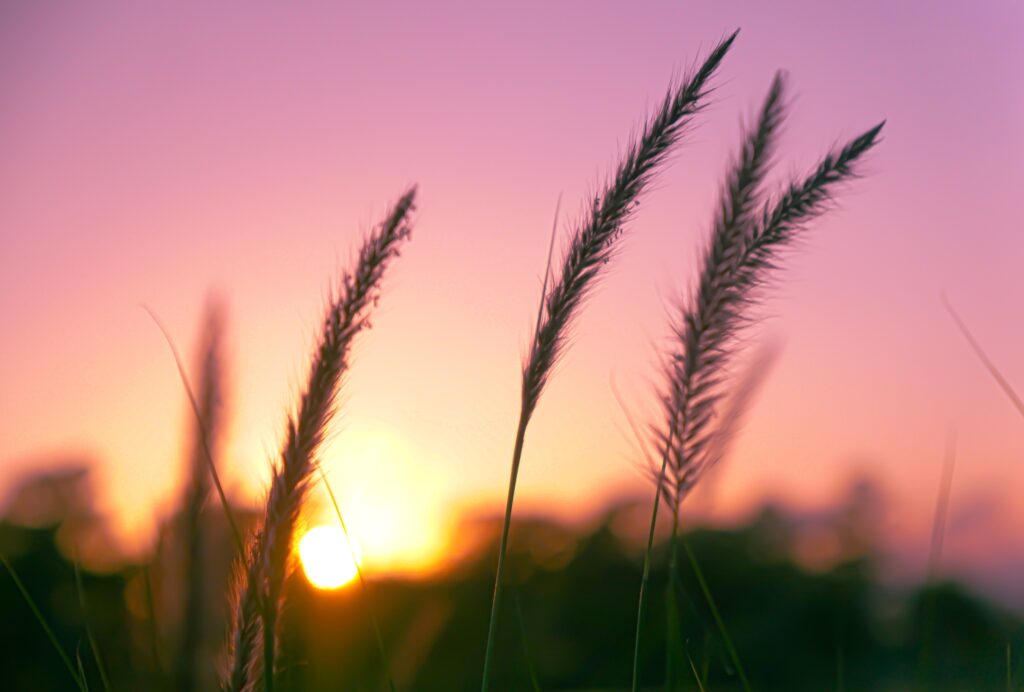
{"x": 735, "y": 214}
{"x": 647, "y": 567}
{"x": 78, "y": 679}
{"x": 267, "y": 560}
{"x": 673, "y": 621}
{"x": 154, "y": 637}
{"x": 719, "y": 622}
{"x": 744, "y": 249}
{"x": 362, "y": 583}
{"x": 93, "y": 646}
{"x": 206, "y": 434}
{"x": 935, "y": 555}
{"x": 1003, "y": 383}
{"x": 590, "y": 249}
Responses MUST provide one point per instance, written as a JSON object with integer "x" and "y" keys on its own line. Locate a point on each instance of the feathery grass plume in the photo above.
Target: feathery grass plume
{"x": 258, "y": 602}
{"x": 188, "y": 665}
{"x": 737, "y": 266}
{"x": 590, "y": 248}
{"x": 740, "y": 197}
{"x": 745, "y": 247}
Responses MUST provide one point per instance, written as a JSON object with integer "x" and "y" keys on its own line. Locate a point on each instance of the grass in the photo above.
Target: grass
{"x": 703, "y": 401}
{"x": 935, "y": 552}
{"x": 996, "y": 374}
{"x": 590, "y": 249}
{"x": 749, "y": 235}
{"x": 75, "y": 672}
{"x": 258, "y": 604}
{"x": 378, "y": 639}
{"x": 93, "y": 647}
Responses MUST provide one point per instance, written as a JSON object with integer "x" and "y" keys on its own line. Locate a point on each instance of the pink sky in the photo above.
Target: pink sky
{"x": 150, "y": 154}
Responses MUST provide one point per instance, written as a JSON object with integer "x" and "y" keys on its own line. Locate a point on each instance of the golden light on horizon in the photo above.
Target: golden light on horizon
{"x": 327, "y": 558}
{"x": 391, "y": 496}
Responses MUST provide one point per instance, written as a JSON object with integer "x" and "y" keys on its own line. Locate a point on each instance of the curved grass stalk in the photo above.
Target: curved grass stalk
{"x": 259, "y": 601}
{"x": 362, "y": 583}
{"x": 744, "y": 250}
{"x": 590, "y": 249}
{"x": 64, "y": 658}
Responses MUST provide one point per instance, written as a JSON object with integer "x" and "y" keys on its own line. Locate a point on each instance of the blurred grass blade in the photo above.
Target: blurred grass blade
{"x": 81, "y": 669}
{"x": 526, "y": 649}
{"x": 934, "y": 555}
{"x": 696, "y": 675}
{"x": 204, "y": 434}
{"x": 88, "y": 631}
{"x": 729, "y": 646}
{"x": 983, "y": 357}
{"x": 79, "y": 681}
{"x": 153, "y": 625}
{"x": 362, "y": 583}
{"x": 645, "y": 578}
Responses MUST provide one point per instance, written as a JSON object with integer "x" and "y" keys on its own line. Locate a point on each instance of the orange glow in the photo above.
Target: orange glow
{"x": 390, "y": 495}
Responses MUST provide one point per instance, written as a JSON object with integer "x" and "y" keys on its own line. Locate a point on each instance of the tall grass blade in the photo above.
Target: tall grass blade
{"x": 719, "y": 622}
{"x": 1009, "y": 668}
{"x": 590, "y": 248}
{"x": 735, "y": 215}
{"x": 744, "y": 250}
{"x": 673, "y": 619}
{"x": 88, "y": 632}
{"x": 154, "y": 636}
{"x": 983, "y": 357}
{"x": 696, "y": 675}
{"x": 81, "y": 669}
{"x": 65, "y": 659}
{"x": 378, "y": 638}
{"x": 259, "y": 600}
{"x": 935, "y": 554}
{"x": 526, "y": 649}
{"x": 207, "y": 434}
{"x": 645, "y": 578}
{"x": 204, "y": 437}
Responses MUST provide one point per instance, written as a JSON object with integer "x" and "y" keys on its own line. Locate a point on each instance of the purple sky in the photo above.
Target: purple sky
{"x": 152, "y": 153}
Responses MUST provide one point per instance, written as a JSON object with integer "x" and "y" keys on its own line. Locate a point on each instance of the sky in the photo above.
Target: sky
{"x": 158, "y": 153}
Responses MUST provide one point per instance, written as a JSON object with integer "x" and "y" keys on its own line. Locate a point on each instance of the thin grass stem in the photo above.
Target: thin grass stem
{"x": 204, "y": 434}
{"x": 362, "y": 583}
{"x": 590, "y": 249}
{"x": 673, "y": 620}
{"x": 65, "y": 659}
{"x": 645, "y": 578}
{"x": 154, "y": 637}
{"x": 526, "y": 649}
{"x": 985, "y": 360}
{"x": 935, "y": 555}
{"x": 719, "y": 622}
{"x": 88, "y": 631}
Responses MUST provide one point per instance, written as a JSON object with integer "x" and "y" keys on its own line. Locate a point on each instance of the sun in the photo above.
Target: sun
{"x": 326, "y": 557}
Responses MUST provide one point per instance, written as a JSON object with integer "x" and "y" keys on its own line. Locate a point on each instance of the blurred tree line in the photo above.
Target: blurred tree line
{"x": 799, "y": 597}
{"x": 800, "y": 600}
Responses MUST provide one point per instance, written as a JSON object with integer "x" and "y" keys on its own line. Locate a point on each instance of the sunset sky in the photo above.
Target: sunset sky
{"x": 154, "y": 154}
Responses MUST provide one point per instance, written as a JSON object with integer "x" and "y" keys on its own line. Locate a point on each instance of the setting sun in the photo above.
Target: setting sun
{"x": 326, "y": 557}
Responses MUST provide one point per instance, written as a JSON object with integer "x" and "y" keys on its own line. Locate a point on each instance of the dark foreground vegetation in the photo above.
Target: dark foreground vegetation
{"x": 800, "y": 619}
